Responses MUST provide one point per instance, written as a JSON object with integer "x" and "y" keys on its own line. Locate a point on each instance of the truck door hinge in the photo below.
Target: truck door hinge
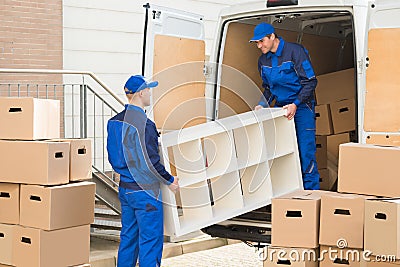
{"x": 207, "y": 70}
{"x": 361, "y": 66}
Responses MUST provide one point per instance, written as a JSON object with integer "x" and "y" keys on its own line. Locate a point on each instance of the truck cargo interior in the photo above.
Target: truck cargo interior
{"x": 329, "y": 38}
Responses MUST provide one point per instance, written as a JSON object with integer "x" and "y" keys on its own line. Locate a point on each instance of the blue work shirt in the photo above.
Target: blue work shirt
{"x": 132, "y": 145}
{"x": 288, "y": 76}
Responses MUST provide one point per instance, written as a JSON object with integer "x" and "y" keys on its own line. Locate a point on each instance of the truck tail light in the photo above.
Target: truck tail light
{"x": 274, "y": 3}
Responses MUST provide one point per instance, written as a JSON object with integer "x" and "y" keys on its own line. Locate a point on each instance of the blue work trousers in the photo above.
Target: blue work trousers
{"x": 305, "y": 130}
{"x": 142, "y": 233}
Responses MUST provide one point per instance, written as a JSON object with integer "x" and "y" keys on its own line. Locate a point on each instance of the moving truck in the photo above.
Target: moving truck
{"x": 353, "y": 45}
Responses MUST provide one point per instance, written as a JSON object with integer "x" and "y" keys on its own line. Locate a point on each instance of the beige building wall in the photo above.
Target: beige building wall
{"x": 106, "y": 37}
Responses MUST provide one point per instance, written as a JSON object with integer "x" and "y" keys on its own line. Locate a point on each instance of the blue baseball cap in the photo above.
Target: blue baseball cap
{"x": 136, "y": 83}
{"x": 262, "y": 30}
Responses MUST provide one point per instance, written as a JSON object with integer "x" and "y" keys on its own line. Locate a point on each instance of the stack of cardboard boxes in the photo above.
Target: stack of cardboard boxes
{"x": 335, "y": 121}
{"x": 295, "y": 222}
{"x": 374, "y": 170}
{"x": 45, "y": 206}
{"x": 357, "y": 226}
{"x": 342, "y": 229}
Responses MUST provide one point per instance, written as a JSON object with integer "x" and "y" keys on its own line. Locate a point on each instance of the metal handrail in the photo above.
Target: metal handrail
{"x": 77, "y": 72}
{"x": 101, "y": 98}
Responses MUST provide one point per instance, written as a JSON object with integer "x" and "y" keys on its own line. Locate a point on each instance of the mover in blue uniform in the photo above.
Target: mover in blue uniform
{"x": 132, "y": 145}
{"x": 288, "y": 78}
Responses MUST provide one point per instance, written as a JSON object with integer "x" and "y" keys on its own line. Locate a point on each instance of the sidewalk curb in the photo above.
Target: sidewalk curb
{"x": 198, "y": 244}
{"x": 107, "y": 257}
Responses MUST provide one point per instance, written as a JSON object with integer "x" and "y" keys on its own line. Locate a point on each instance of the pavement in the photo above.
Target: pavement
{"x": 199, "y": 251}
{"x": 233, "y": 255}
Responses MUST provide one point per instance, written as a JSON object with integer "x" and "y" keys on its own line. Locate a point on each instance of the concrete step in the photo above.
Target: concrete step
{"x": 104, "y": 248}
{"x": 106, "y": 218}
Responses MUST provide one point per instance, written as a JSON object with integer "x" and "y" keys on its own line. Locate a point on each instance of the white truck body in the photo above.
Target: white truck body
{"x": 362, "y": 35}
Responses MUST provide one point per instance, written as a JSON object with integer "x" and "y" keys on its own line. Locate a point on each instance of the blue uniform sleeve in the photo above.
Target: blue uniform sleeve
{"x": 306, "y": 75}
{"x": 151, "y": 139}
{"x": 267, "y": 98}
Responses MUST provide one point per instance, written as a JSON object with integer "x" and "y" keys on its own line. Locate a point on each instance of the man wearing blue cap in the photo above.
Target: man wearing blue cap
{"x": 289, "y": 79}
{"x": 132, "y": 145}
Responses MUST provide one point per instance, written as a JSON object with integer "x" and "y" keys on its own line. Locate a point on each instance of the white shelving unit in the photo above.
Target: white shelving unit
{"x": 247, "y": 153}
{"x": 228, "y": 167}
{"x": 256, "y": 183}
{"x": 189, "y": 162}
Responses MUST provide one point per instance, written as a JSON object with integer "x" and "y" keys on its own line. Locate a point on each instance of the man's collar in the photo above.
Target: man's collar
{"x": 278, "y": 52}
{"x": 133, "y": 107}
{"x": 280, "y": 47}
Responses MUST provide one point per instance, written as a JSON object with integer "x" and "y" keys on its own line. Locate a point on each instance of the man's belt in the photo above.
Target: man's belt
{"x": 138, "y": 187}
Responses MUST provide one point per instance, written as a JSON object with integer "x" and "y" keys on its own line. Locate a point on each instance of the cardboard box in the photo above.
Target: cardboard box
{"x": 39, "y": 248}
{"x": 343, "y": 116}
{"x": 9, "y": 203}
{"x": 29, "y": 118}
{"x": 386, "y": 139}
{"x": 321, "y": 154}
{"x": 295, "y": 219}
{"x": 296, "y": 257}
{"x": 34, "y": 162}
{"x": 80, "y": 154}
{"x": 335, "y": 86}
{"x": 333, "y": 175}
{"x": 333, "y": 142}
{"x": 342, "y": 220}
{"x": 369, "y": 170}
{"x": 323, "y": 120}
{"x": 382, "y": 226}
{"x": 332, "y": 256}
{"x": 6, "y": 242}
{"x": 326, "y": 181}
{"x": 57, "y": 207}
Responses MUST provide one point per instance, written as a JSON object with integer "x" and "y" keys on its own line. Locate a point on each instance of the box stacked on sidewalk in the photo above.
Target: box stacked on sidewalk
{"x": 341, "y": 236}
{"x": 367, "y": 169}
{"x": 295, "y": 228}
{"x": 382, "y": 227}
{"x": 46, "y": 206}
{"x": 335, "y": 121}
{"x": 328, "y": 225}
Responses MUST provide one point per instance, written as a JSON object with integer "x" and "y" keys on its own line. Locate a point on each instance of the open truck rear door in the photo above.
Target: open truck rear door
{"x": 382, "y": 94}
{"x": 175, "y": 55}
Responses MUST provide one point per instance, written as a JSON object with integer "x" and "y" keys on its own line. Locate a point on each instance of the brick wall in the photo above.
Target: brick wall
{"x": 31, "y": 36}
